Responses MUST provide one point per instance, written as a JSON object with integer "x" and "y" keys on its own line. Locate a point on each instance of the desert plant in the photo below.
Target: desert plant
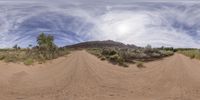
{"x": 46, "y": 46}
{"x": 103, "y": 58}
{"x": 15, "y": 46}
{"x": 122, "y": 56}
{"x": 10, "y": 59}
{"x": 28, "y": 61}
{"x": 140, "y": 64}
{"x": 2, "y": 57}
{"x": 116, "y": 59}
{"x": 148, "y": 49}
{"x": 109, "y": 51}
{"x": 192, "y": 53}
{"x": 156, "y": 55}
{"x": 192, "y": 56}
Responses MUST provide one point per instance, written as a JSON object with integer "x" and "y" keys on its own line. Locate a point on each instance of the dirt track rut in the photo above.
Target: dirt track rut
{"x": 82, "y": 76}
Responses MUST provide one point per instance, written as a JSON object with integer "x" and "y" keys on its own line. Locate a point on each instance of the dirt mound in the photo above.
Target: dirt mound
{"x": 82, "y": 76}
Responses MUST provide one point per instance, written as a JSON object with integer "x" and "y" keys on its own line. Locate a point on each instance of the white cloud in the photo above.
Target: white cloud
{"x": 168, "y": 24}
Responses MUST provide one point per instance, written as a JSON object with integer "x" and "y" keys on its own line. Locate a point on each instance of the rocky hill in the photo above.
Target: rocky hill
{"x": 100, "y": 44}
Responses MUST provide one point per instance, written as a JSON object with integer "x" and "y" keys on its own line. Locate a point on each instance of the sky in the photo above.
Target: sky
{"x": 159, "y": 23}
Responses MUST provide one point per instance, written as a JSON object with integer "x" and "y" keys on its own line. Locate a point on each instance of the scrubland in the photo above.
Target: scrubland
{"x": 123, "y": 56}
{"x": 44, "y": 50}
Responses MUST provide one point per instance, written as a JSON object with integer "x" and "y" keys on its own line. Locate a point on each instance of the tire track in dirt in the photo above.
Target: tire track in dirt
{"x": 82, "y": 76}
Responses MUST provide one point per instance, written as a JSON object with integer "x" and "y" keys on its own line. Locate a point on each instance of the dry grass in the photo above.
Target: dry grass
{"x": 191, "y": 53}
{"x": 28, "y": 56}
{"x": 140, "y": 64}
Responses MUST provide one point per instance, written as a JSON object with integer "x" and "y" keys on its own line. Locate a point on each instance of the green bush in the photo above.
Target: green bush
{"x": 28, "y": 61}
{"x": 45, "y": 50}
{"x": 109, "y": 51}
{"x": 114, "y": 58}
{"x": 191, "y": 53}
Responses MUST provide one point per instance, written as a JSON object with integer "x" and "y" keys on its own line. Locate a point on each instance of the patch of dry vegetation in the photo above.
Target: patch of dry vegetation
{"x": 123, "y": 56}
{"x": 45, "y": 50}
{"x": 140, "y": 64}
{"x": 192, "y": 53}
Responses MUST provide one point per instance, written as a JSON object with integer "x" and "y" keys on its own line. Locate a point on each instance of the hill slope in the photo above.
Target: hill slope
{"x": 100, "y": 44}
{"x": 82, "y": 76}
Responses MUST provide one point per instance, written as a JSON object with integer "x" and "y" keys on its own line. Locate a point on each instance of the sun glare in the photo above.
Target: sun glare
{"x": 123, "y": 28}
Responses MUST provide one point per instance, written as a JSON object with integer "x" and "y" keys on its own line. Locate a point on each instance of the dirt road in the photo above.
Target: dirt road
{"x": 82, "y": 76}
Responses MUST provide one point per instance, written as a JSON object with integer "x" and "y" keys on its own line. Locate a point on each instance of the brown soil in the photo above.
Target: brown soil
{"x": 82, "y": 76}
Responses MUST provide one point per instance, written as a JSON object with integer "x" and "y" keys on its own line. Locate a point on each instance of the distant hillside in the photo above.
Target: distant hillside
{"x": 100, "y": 44}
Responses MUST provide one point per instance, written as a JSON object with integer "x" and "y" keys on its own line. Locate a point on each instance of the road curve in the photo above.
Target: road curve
{"x": 82, "y": 76}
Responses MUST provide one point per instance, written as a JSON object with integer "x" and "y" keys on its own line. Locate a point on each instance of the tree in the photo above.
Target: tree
{"x": 30, "y": 45}
{"x": 45, "y": 41}
{"x": 46, "y": 45}
{"x": 41, "y": 39}
{"x": 16, "y": 47}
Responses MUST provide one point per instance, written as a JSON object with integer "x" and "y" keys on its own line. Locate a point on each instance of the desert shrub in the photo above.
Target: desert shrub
{"x": 197, "y": 56}
{"x": 28, "y": 61}
{"x": 122, "y": 56}
{"x": 113, "y": 52}
{"x": 142, "y": 56}
{"x": 193, "y": 53}
{"x": 108, "y": 51}
{"x": 41, "y": 61}
{"x": 95, "y": 51}
{"x": 125, "y": 54}
{"x": 10, "y": 59}
{"x": 140, "y": 64}
{"x": 156, "y": 55}
{"x": 148, "y": 49}
{"x": 2, "y": 57}
{"x": 168, "y": 49}
{"x": 166, "y": 52}
{"x": 45, "y": 50}
{"x": 61, "y": 52}
{"x": 16, "y": 47}
{"x": 103, "y": 58}
{"x": 114, "y": 58}
{"x": 192, "y": 56}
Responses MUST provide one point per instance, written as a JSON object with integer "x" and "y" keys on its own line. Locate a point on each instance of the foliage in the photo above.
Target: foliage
{"x": 16, "y": 47}
{"x": 192, "y": 53}
{"x": 2, "y": 57}
{"x": 44, "y": 50}
{"x": 46, "y": 47}
{"x": 28, "y": 61}
{"x": 123, "y": 56}
{"x": 10, "y": 59}
{"x": 140, "y": 64}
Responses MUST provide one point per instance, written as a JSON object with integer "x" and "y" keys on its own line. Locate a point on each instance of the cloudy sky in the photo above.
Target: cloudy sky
{"x": 168, "y": 22}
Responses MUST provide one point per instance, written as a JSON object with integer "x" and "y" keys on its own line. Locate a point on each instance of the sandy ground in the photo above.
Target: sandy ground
{"x": 82, "y": 76}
